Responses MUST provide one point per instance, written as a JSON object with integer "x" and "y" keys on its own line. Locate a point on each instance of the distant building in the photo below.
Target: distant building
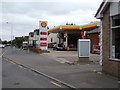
{"x": 52, "y": 39}
{"x": 109, "y": 14}
{"x": 36, "y": 38}
{"x": 31, "y": 38}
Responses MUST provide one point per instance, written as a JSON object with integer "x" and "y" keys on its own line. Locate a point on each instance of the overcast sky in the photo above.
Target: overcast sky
{"x": 25, "y": 16}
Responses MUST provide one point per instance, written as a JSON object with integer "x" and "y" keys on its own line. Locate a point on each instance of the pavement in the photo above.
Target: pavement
{"x": 72, "y": 56}
{"x": 53, "y": 64}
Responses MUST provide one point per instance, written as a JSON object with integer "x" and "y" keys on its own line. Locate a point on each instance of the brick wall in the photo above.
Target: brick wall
{"x": 94, "y": 40}
{"x": 110, "y": 67}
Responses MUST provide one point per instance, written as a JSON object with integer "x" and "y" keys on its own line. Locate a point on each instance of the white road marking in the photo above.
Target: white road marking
{"x": 62, "y": 60}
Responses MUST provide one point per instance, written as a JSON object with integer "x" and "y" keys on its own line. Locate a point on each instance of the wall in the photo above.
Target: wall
{"x": 114, "y": 8}
{"x": 109, "y": 66}
{"x": 30, "y": 41}
{"x": 54, "y": 38}
{"x": 94, "y": 40}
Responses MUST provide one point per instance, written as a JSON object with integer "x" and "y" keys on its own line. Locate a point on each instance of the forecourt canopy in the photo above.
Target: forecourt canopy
{"x": 73, "y": 28}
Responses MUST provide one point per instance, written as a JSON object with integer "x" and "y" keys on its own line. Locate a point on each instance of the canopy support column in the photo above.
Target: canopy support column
{"x": 66, "y": 39}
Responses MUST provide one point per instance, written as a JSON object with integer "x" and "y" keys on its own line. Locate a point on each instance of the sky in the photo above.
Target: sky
{"x": 23, "y": 16}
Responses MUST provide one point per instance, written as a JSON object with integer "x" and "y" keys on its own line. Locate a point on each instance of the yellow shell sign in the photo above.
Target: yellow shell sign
{"x": 43, "y": 24}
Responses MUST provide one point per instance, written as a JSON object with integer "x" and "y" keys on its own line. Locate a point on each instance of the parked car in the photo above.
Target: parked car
{"x": 58, "y": 47}
{"x": 51, "y": 45}
{"x": 8, "y": 45}
{"x": 2, "y": 46}
{"x": 25, "y": 45}
{"x": 96, "y": 49}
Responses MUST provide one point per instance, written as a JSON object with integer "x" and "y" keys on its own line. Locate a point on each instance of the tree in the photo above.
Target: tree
{"x": 4, "y": 42}
{"x": 18, "y": 41}
{"x": 0, "y": 41}
{"x": 9, "y": 42}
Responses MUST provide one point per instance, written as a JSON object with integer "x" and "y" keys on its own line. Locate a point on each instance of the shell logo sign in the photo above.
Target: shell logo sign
{"x": 43, "y": 35}
{"x": 43, "y": 24}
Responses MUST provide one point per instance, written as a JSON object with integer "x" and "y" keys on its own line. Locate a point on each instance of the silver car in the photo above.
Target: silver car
{"x": 2, "y": 46}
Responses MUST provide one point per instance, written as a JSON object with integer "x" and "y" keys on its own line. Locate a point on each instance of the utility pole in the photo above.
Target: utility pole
{"x": 11, "y": 31}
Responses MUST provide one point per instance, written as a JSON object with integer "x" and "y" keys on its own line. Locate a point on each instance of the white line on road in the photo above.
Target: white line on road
{"x": 62, "y": 60}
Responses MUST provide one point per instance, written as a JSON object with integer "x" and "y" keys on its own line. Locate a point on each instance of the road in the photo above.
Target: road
{"x": 75, "y": 76}
{"x": 16, "y": 76}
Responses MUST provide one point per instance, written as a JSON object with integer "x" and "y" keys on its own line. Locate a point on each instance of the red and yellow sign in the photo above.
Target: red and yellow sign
{"x": 43, "y": 44}
{"x": 71, "y": 27}
{"x": 43, "y": 33}
{"x": 89, "y": 26}
{"x": 83, "y": 27}
{"x": 44, "y": 24}
{"x": 54, "y": 29}
{"x": 43, "y": 39}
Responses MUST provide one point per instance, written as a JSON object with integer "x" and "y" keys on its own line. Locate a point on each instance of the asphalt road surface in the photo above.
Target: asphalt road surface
{"x": 77, "y": 76}
{"x": 15, "y": 76}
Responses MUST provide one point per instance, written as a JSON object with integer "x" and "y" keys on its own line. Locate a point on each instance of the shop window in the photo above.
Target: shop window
{"x": 115, "y": 47}
{"x": 116, "y": 43}
{"x": 116, "y": 20}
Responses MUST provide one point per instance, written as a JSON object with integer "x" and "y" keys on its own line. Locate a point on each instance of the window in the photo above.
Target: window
{"x": 115, "y": 45}
{"x": 51, "y": 40}
{"x": 37, "y": 32}
{"x": 32, "y": 34}
{"x": 116, "y": 20}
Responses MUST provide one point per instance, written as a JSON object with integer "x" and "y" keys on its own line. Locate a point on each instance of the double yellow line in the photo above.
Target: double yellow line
{"x": 55, "y": 84}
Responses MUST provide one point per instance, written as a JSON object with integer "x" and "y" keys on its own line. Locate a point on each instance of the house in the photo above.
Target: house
{"x": 31, "y": 38}
{"x": 52, "y": 39}
{"x": 36, "y": 38}
{"x": 109, "y": 14}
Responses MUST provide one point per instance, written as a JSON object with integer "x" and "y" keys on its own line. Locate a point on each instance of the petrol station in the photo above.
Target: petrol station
{"x": 69, "y": 34}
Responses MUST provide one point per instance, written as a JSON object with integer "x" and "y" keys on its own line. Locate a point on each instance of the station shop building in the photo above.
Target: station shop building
{"x": 109, "y": 14}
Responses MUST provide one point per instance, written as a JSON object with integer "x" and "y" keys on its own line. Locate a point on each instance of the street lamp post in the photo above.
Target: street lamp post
{"x": 11, "y": 31}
